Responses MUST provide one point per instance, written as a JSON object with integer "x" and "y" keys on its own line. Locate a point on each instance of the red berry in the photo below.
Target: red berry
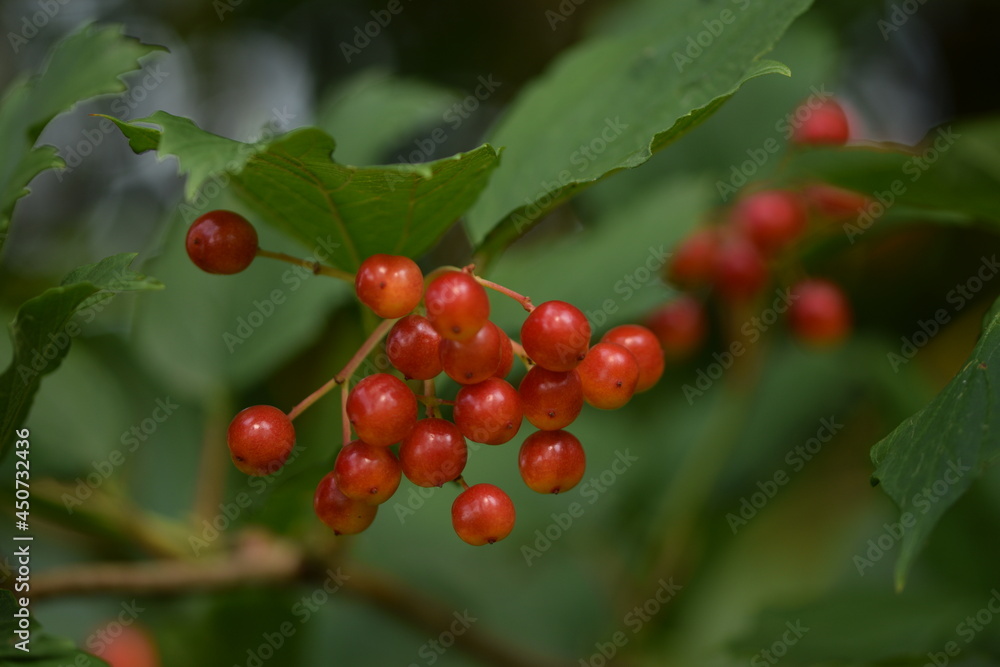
{"x": 260, "y": 438}
{"x": 834, "y": 203}
{"x": 342, "y": 514}
{"x": 473, "y": 360}
{"x": 457, "y": 306}
{"x": 551, "y": 400}
{"x": 391, "y": 285}
{"x": 221, "y": 242}
{"x": 693, "y": 260}
{"x": 127, "y": 646}
{"x": 506, "y": 355}
{"x": 488, "y": 412}
{"x": 482, "y": 514}
{"x": 642, "y": 343}
{"x": 433, "y": 453}
{"x": 821, "y": 122}
{"x": 820, "y": 313}
{"x": 556, "y": 336}
{"x": 382, "y": 409}
{"x": 739, "y": 271}
{"x": 772, "y": 219}
{"x": 551, "y": 461}
{"x": 367, "y": 473}
{"x": 680, "y": 326}
{"x": 413, "y": 348}
{"x": 609, "y": 376}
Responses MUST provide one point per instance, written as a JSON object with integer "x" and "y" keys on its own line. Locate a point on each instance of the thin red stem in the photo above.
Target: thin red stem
{"x": 316, "y": 267}
{"x": 520, "y": 298}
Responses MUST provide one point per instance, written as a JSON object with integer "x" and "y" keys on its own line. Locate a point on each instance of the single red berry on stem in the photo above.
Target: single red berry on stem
{"x": 739, "y": 272}
{"x": 413, "y": 348}
{"x": 551, "y": 461}
{"x": 556, "y": 336}
{"x": 473, "y": 360}
{"x": 221, "y": 242}
{"x": 367, "y": 473}
{"x": 260, "y": 438}
{"x": 482, "y": 514}
{"x": 489, "y": 412}
{"x": 772, "y": 219}
{"x": 642, "y": 343}
{"x": 433, "y": 453}
{"x": 382, "y": 409}
{"x": 342, "y": 514}
{"x": 693, "y": 260}
{"x": 820, "y": 313}
{"x": 609, "y": 376}
{"x": 391, "y": 285}
{"x": 551, "y": 400}
{"x": 821, "y": 122}
{"x": 680, "y": 325}
{"x": 457, "y": 306}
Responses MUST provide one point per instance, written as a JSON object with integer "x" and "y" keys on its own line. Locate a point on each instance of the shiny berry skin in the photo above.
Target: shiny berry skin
{"x": 472, "y": 361}
{"x": 551, "y": 400}
{"x": 260, "y": 438}
{"x": 739, "y": 272}
{"x": 609, "y": 376}
{"x": 382, "y": 409}
{"x": 127, "y": 646}
{"x": 772, "y": 219}
{"x": 367, "y": 473}
{"x": 457, "y": 306}
{"x": 342, "y": 514}
{"x": 820, "y": 313}
{"x": 413, "y": 348}
{"x": 489, "y": 412}
{"x": 221, "y": 242}
{"x": 433, "y": 453}
{"x": 821, "y": 123}
{"x": 693, "y": 260}
{"x": 391, "y": 285}
{"x": 642, "y": 343}
{"x": 482, "y": 514}
{"x": 506, "y": 355}
{"x": 680, "y": 325}
{"x": 556, "y": 336}
{"x": 833, "y": 202}
{"x": 551, "y": 461}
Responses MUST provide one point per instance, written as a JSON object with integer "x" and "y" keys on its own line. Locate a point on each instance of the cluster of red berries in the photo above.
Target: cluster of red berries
{"x": 434, "y": 325}
{"x": 735, "y": 259}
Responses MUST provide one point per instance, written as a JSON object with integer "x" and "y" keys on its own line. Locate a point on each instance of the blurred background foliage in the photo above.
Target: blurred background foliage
{"x": 243, "y": 70}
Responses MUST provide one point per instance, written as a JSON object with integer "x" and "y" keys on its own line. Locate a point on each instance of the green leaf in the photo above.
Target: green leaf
{"x": 613, "y": 101}
{"x": 44, "y": 650}
{"x": 44, "y": 327}
{"x": 932, "y": 458}
{"x": 294, "y": 183}
{"x": 89, "y": 62}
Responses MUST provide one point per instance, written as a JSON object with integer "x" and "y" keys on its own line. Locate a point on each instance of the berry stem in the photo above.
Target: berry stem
{"x": 461, "y": 480}
{"x": 525, "y": 301}
{"x": 521, "y": 354}
{"x": 347, "y": 371}
{"x": 315, "y": 267}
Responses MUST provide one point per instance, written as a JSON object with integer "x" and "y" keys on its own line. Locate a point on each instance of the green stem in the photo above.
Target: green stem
{"x": 316, "y": 267}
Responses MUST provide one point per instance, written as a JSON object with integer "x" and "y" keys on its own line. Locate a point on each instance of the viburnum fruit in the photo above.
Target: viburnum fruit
{"x": 391, "y": 285}
{"x": 342, "y": 514}
{"x": 488, "y": 412}
{"x": 433, "y": 453}
{"x": 642, "y": 343}
{"x": 693, "y": 262}
{"x": 457, "y": 306}
{"x": 609, "y": 376}
{"x": 473, "y": 360}
{"x": 367, "y": 473}
{"x": 221, "y": 242}
{"x": 382, "y": 409}
{"x": 413, "y": 348}
{"x": 506, "y": 355}
{"x": 824, "y": 122}
{"x": 820, "y": 313}
{"x": 482, "y": 514}
{"x": 127, "y": 646}
{"x": 260, "y": 438}
{"x": 739, "y": 271}
{"x": 772, "y": 219}
{"x": 556, "y": 335}
{"x": 680, "y": 326}
{"x": 551, "y": 400}
{"x": 551, "y": 461}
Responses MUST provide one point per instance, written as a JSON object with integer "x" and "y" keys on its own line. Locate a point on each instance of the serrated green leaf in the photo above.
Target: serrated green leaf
{"x": 43, "y": 329}
{"x": 89, "y": 62}
{"x": 44, "y": 650}
{"x": 295, "y": 184}
{"x": 929, "y": 461}
{"x": 611, "y": 102}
